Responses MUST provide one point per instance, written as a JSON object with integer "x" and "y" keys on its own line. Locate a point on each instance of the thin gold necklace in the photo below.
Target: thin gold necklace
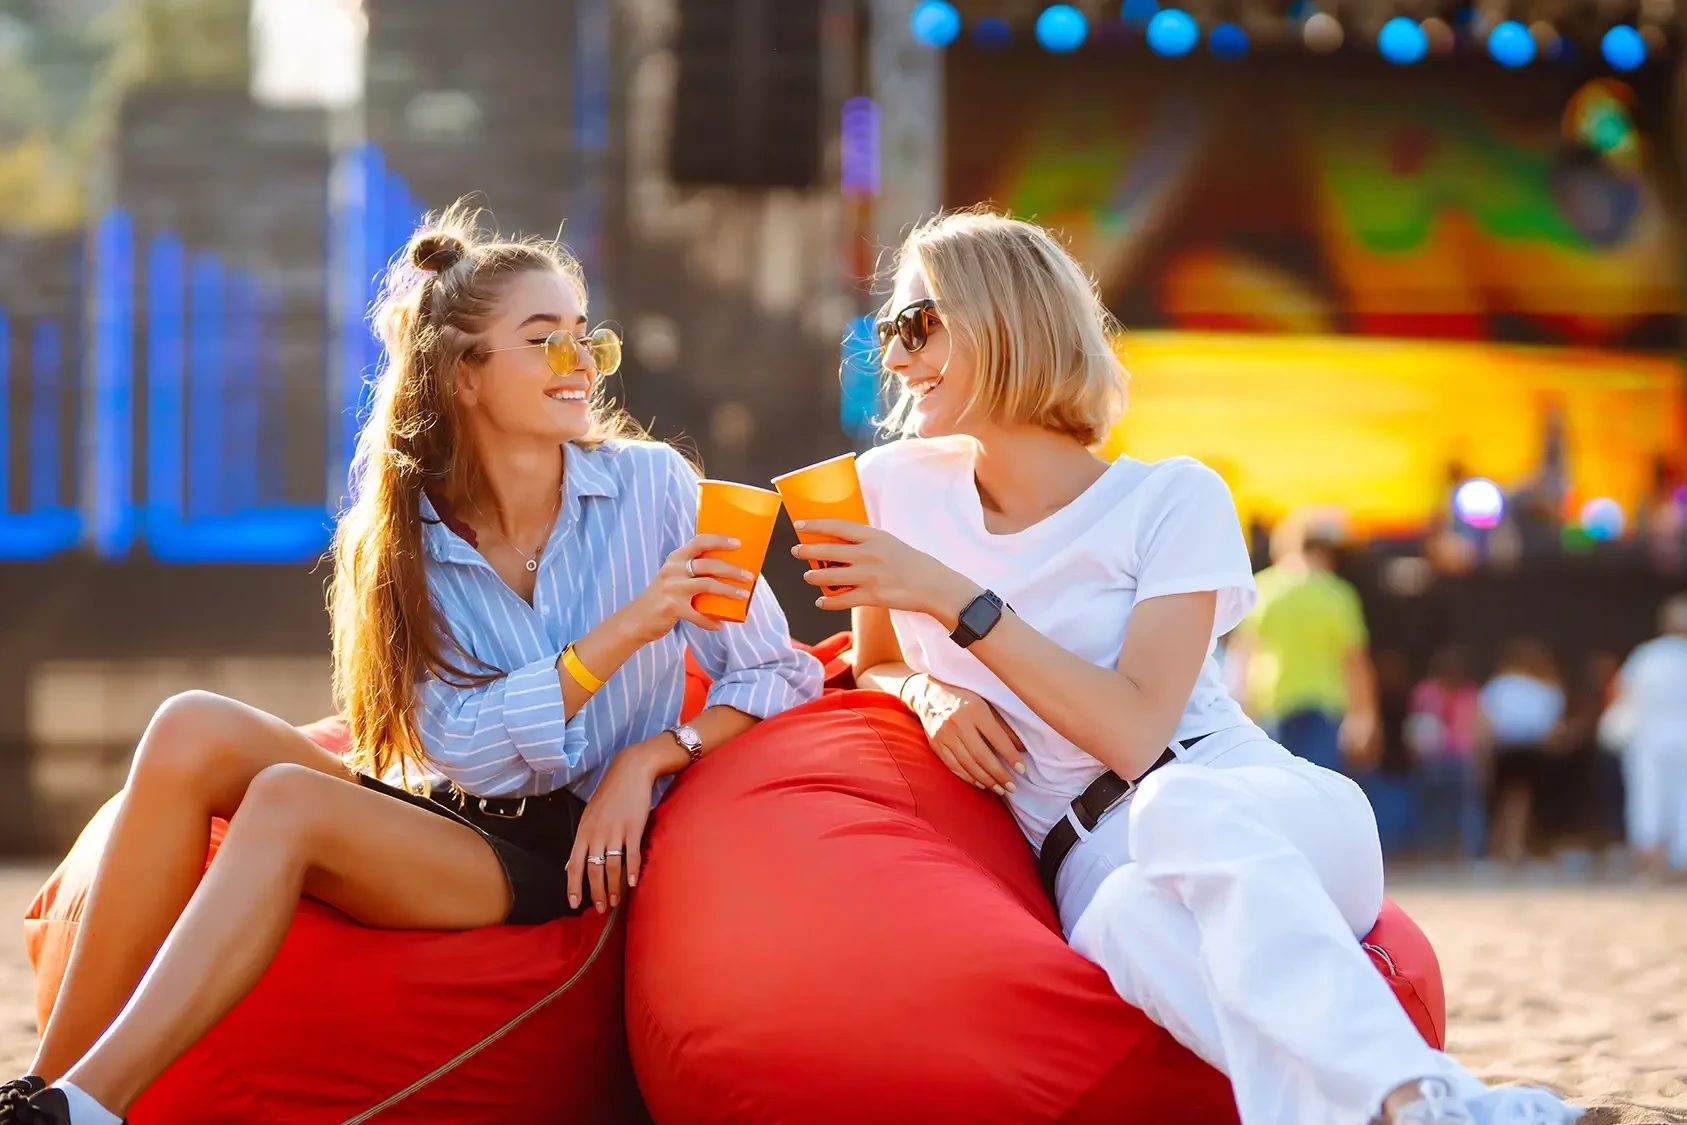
{"x": 530, "y": 561}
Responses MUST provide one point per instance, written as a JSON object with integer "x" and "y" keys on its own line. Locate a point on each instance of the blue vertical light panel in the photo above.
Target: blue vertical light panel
{"x": 375, "y": 255}
{"x": 109, "y": 433}
{"x": 861, "y": 380}
{"x": 350, "y": 254}
{"x": 166, "y": 381}
{"x": 592, "y": 52}
{"x": 205, "y": 432}
{"x": 241, "y": 372}
{"x": 46, "y": 366}
{"x": 272, "y": 401}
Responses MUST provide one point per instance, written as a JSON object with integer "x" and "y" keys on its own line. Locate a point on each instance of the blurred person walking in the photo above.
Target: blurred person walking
{"x": 1448, "y": 739}
{"x": 1388, "y": 773}
{"x": 1523, "y": 706}
{"x": 1301, "y": 653}
{"x": 1651, "y": 704}
{"x": 1575, "y": 817}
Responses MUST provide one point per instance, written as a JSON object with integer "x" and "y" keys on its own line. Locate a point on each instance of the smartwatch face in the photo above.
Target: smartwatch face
{"x": 979, "y": 616}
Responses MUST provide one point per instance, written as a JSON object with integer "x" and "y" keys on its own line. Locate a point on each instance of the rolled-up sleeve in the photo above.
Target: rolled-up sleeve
{"x": 754, "y": 666}
{"x": 492, "y": 738}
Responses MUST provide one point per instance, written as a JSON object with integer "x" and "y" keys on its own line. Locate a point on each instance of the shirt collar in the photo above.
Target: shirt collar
{"x": 586, "y": 472}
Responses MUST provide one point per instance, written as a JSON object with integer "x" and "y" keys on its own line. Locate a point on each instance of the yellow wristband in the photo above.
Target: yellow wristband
{"x": 571, "y": 664}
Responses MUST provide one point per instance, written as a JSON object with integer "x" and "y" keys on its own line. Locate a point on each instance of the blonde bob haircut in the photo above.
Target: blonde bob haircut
{"x": 1029, "y": 315}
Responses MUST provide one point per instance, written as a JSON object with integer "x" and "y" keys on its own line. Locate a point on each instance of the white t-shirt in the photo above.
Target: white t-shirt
{"x": 1141, "y": 531}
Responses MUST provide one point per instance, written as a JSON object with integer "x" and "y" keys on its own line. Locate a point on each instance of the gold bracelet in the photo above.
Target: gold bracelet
{"x": 572, "y": 665}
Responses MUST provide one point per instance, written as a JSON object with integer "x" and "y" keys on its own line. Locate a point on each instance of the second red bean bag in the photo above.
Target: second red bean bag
{"x": 833, "y": 929}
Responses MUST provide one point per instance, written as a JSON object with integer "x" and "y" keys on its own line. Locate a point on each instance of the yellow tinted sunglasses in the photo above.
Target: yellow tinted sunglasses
{"x": 562, "y": 350}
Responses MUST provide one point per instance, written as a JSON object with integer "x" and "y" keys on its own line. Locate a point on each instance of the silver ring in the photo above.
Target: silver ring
{"x": 689, "y": 572}
{"x": 616, "y": 852}
{"x": 594, "y": 859}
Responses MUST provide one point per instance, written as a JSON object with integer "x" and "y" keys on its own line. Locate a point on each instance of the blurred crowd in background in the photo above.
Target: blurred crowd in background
{"x": 1579, "y": 757}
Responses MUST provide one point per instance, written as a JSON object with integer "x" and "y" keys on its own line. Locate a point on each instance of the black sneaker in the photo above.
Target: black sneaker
{"x": 15, "y": 1093}
{"x": 44, "y": 1107}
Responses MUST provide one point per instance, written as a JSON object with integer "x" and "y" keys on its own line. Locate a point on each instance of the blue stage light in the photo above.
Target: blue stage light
{"x": 1062, "y": 28}
{"x": 1511, "y": 44}
{"x": 935, "y": 24}
{"x": 1227, "y": 41}
{"x": 1623, "y": 47}
{"x": 992, "y": 33}
{"x": 1173, "y": 33}
{"x": 1137, "y": 13}
{"x": 1402, "y": 42}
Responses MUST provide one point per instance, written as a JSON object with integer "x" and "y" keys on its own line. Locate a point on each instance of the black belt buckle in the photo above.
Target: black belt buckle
{"x": 496, "y": 806}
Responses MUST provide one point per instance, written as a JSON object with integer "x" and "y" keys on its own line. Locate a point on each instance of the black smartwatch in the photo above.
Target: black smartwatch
{"x": 977, "y": 619}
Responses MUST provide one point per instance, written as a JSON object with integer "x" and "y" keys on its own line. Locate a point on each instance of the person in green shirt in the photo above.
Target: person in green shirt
{"x": 1302, "y": 652}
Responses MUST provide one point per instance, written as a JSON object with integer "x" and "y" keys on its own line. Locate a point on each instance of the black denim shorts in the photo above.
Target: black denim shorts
{"x": 531, "y": 836}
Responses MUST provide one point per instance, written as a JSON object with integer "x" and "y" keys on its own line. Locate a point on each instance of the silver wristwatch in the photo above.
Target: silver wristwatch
{"x": 690, "y": 739}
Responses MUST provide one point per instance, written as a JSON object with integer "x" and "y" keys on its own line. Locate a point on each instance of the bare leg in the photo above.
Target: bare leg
{"x": 384, "y": 862}
{"x": 194, "y": 762}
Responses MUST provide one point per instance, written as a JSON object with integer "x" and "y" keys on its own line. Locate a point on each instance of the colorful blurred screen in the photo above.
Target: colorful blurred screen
{"x": 1338, "y": 277}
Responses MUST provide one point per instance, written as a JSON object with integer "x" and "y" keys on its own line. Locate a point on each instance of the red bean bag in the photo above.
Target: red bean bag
{"x": 515, "y": 1024}
{"x": 831, "y": 928}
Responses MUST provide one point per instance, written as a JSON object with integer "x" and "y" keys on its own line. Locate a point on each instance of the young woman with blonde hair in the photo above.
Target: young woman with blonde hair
{"x": 511, "y": 610}
{"x": 1051, "y": 619}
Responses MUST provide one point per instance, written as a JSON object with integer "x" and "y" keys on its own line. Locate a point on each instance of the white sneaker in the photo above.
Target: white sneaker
{"x": 1435, "y": 1105}
{"x": 1507, "y": 1105}
{"x": 1521, "y": 1105}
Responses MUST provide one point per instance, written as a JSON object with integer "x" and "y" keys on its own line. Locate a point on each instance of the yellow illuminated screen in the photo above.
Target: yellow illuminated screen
{"x": 1370, "y": 426}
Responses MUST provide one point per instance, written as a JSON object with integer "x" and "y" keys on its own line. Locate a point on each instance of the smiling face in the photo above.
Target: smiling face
{"x": 938, "y": 378}
{"x": 1023, "y": 339}
{"x": 506, "y": 389}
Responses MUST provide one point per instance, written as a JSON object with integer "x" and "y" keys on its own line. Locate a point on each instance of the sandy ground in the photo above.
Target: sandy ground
{"x": 1583, "y": 988}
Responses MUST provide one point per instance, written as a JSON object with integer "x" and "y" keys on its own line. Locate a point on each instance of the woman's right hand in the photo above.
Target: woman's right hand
{"x": 667, "y": 601}
{"x": 966, "y": 733}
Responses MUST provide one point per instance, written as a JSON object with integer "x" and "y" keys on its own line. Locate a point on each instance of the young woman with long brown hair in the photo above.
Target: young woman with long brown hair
{"x": 1222, "y": 883}
{"x": 511, "y": 610}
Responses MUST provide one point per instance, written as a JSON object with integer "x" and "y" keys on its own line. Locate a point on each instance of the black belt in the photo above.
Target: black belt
{"x": 510, "y": 808}
{"x": 1088, "y": 808}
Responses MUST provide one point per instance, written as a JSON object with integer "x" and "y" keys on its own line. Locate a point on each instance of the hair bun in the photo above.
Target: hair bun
{"x": 436, "y": 251}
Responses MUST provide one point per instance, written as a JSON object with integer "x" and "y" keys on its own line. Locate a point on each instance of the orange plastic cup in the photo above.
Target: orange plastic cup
{"x": 830, "y": 490}
{"x": 744, "y": 513}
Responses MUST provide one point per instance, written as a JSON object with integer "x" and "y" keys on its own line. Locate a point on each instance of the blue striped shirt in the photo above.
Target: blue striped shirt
{"x": 626, "y": 506}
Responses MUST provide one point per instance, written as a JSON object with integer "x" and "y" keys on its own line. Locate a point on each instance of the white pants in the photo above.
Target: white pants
{"x": 1655, "y": 793}
{"x": 1226, "y": 900}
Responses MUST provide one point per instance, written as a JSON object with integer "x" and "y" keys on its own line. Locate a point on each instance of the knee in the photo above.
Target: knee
{"x": 186, "y": 742}
{"x": 285, "y": 803}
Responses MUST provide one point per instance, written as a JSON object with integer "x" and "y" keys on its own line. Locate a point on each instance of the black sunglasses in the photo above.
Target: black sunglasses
{"x": 912, "y": 325}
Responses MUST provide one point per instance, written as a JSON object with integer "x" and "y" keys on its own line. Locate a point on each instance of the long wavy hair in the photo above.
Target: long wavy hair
{"x": 434, "y": 303}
